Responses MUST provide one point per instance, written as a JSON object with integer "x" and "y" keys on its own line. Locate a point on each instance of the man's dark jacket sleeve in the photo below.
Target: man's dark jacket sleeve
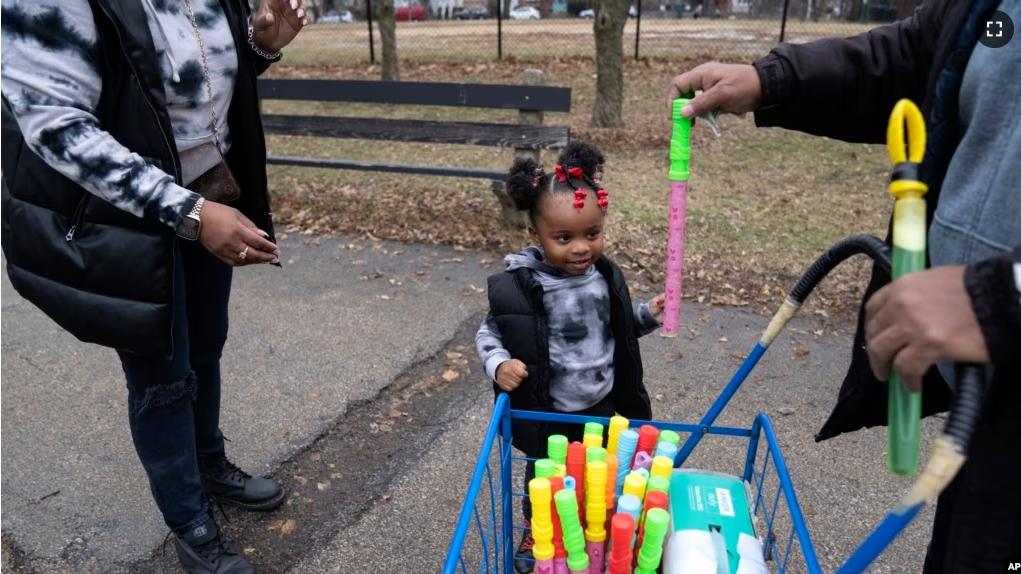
{"x": 996, "y": 301}
{"x": 845, "y": 88}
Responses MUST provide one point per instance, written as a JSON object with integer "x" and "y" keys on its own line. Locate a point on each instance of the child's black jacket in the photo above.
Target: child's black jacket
{"x": 515, "y": 303}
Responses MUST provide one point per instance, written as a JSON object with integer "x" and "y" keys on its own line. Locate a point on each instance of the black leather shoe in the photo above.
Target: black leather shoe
{"x": 204, "y": 550}
{"x": 224, "y": 482}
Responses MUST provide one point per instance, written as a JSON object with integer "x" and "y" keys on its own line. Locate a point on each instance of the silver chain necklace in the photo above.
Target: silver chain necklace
{"x": 205, "y": 72}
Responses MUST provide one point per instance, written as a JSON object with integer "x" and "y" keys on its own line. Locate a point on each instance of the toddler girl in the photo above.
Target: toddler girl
{"x": 561, "y": 334}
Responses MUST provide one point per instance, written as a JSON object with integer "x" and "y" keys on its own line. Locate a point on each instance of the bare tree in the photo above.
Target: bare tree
{"x": 388, "y": 35}
{"x": 608, "y": 26}
{"x": 316, "y": 8}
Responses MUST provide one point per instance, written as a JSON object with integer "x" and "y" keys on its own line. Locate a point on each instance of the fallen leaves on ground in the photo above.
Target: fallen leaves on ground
{"x": 286, "y": 527}
{"x": 732, "y": 258}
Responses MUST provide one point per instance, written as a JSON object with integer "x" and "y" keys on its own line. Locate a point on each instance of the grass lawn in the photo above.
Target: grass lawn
{"x": 447, "y": 40}
{"x": 763, "y": 203}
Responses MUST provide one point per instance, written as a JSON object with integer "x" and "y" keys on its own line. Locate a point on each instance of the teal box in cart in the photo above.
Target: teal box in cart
{"x": 711, "y": 529}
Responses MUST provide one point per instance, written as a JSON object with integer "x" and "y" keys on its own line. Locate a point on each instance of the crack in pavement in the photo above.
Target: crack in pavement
{"x": 349, "y": 469}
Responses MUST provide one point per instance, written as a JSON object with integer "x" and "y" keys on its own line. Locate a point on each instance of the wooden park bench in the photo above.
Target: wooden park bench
{"x": 527, "y": 137}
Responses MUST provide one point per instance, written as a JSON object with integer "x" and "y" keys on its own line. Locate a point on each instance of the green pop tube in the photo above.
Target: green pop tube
{"x": 657, "y": 521}
{"x": 557, "y": 447}
{"x": 904, "y": 415}
{"x": 545, "y": 468}
{"x": 574, "y": 536}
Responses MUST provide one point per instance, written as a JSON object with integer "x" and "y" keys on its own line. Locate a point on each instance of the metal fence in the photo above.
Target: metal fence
{"x": 347, "y": 31}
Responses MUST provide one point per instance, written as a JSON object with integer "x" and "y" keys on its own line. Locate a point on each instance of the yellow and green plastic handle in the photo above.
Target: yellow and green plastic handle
{"x": 909, "y": 255}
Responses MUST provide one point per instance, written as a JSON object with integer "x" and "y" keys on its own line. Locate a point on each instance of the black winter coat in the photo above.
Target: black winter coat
{"x": 515, "y": 302}
{"x": 111, "y": 283}
{"x": 921, "y": 58}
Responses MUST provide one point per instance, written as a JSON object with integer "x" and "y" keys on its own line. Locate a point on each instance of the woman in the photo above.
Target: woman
{"x": 134, "y": 181}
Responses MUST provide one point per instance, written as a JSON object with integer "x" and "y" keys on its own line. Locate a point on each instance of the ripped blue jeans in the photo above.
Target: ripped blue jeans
{"x": 174, "y": 405}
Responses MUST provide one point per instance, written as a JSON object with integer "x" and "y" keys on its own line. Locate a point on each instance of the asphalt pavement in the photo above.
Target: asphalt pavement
{"x": 337, "y": 325}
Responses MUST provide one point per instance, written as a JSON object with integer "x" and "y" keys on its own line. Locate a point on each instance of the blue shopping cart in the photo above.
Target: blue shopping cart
{"x": 483, "y": 538}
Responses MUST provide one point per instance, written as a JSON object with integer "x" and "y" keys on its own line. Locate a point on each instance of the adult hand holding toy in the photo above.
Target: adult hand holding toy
{"x": 731, "y": 88}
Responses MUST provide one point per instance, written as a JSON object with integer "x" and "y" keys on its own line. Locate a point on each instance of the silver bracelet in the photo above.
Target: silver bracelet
{"x": 259, "y": 50}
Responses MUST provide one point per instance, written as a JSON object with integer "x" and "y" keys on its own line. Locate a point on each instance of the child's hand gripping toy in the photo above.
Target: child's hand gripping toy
{"x": 909, "y": 246}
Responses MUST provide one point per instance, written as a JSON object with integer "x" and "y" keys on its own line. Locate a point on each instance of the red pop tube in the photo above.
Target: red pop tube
{"x": 623, "y": 529}
{"x": 576, "y": 468}
{"x": 647, "y": 436}
{"x": 556, "y": 485}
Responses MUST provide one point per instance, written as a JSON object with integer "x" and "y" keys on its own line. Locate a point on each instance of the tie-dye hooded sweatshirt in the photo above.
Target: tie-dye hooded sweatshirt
{"x": 51, "y": 81}
{"x": 581, "y": 343}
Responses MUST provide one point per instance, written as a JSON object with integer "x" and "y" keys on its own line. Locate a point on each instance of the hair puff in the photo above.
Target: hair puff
{"x": 584, "y": 155}
{"x": 521, "y": 183}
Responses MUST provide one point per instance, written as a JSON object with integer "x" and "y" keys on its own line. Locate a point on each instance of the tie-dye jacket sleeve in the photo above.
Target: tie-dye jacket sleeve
{"x": 489, "y": 344}
{"x": 645, "y": 321}
{"x": 51, "y": 81}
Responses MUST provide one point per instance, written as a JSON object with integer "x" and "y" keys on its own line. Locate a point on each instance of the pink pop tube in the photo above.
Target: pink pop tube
{"x": 675, "y": 257}
{"x": 546, "y": 566}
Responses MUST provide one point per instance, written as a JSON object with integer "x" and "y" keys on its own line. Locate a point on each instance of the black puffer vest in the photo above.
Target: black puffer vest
{"x": 101, "y": 273}
{"x": 515, "y": 302}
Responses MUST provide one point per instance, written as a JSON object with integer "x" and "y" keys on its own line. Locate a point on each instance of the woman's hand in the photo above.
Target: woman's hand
{"x": 227, "y": 234}
{"x": 656, "y": 306}
{"x": 278, "y": 22}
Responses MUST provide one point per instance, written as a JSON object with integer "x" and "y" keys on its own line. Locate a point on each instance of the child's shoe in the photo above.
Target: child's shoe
{"x": 524, "y": 562}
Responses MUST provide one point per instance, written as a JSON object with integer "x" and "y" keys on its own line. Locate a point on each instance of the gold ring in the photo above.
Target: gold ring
{"x": 243, "y": 254}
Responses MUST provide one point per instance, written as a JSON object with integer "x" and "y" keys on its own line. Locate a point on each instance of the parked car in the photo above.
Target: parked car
{"x": 343, "y": 16}
{"x": 525, "y": 13}
{"x": 472, "y": 13}
{"x": 632, "y": 12}
{"x": 410, "y": 13}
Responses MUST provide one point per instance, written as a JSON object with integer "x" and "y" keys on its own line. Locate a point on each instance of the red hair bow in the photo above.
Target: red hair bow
{"x": 574, "y": 172}
{"x": 603, "y": 202}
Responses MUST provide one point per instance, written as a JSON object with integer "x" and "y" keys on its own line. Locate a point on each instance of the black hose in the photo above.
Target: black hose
{"x": 970, "y": 388}
{"x": 844, "y": 249}
{"x": 966, "y": 406}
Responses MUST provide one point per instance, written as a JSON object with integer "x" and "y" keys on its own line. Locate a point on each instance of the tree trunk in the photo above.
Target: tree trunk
{"x": 724, "y": 7}
{"x": 316, "y": 9}
{"x": 608, "y": 26}
{"x": 388, "y": 37}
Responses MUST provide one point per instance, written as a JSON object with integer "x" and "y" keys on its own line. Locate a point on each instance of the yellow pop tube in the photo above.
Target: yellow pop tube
{"x": 617, "y": 425}
{"x": 634, "y": 484}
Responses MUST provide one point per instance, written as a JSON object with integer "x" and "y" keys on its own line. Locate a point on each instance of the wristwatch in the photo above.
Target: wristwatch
{"x": 191, "y": 224}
